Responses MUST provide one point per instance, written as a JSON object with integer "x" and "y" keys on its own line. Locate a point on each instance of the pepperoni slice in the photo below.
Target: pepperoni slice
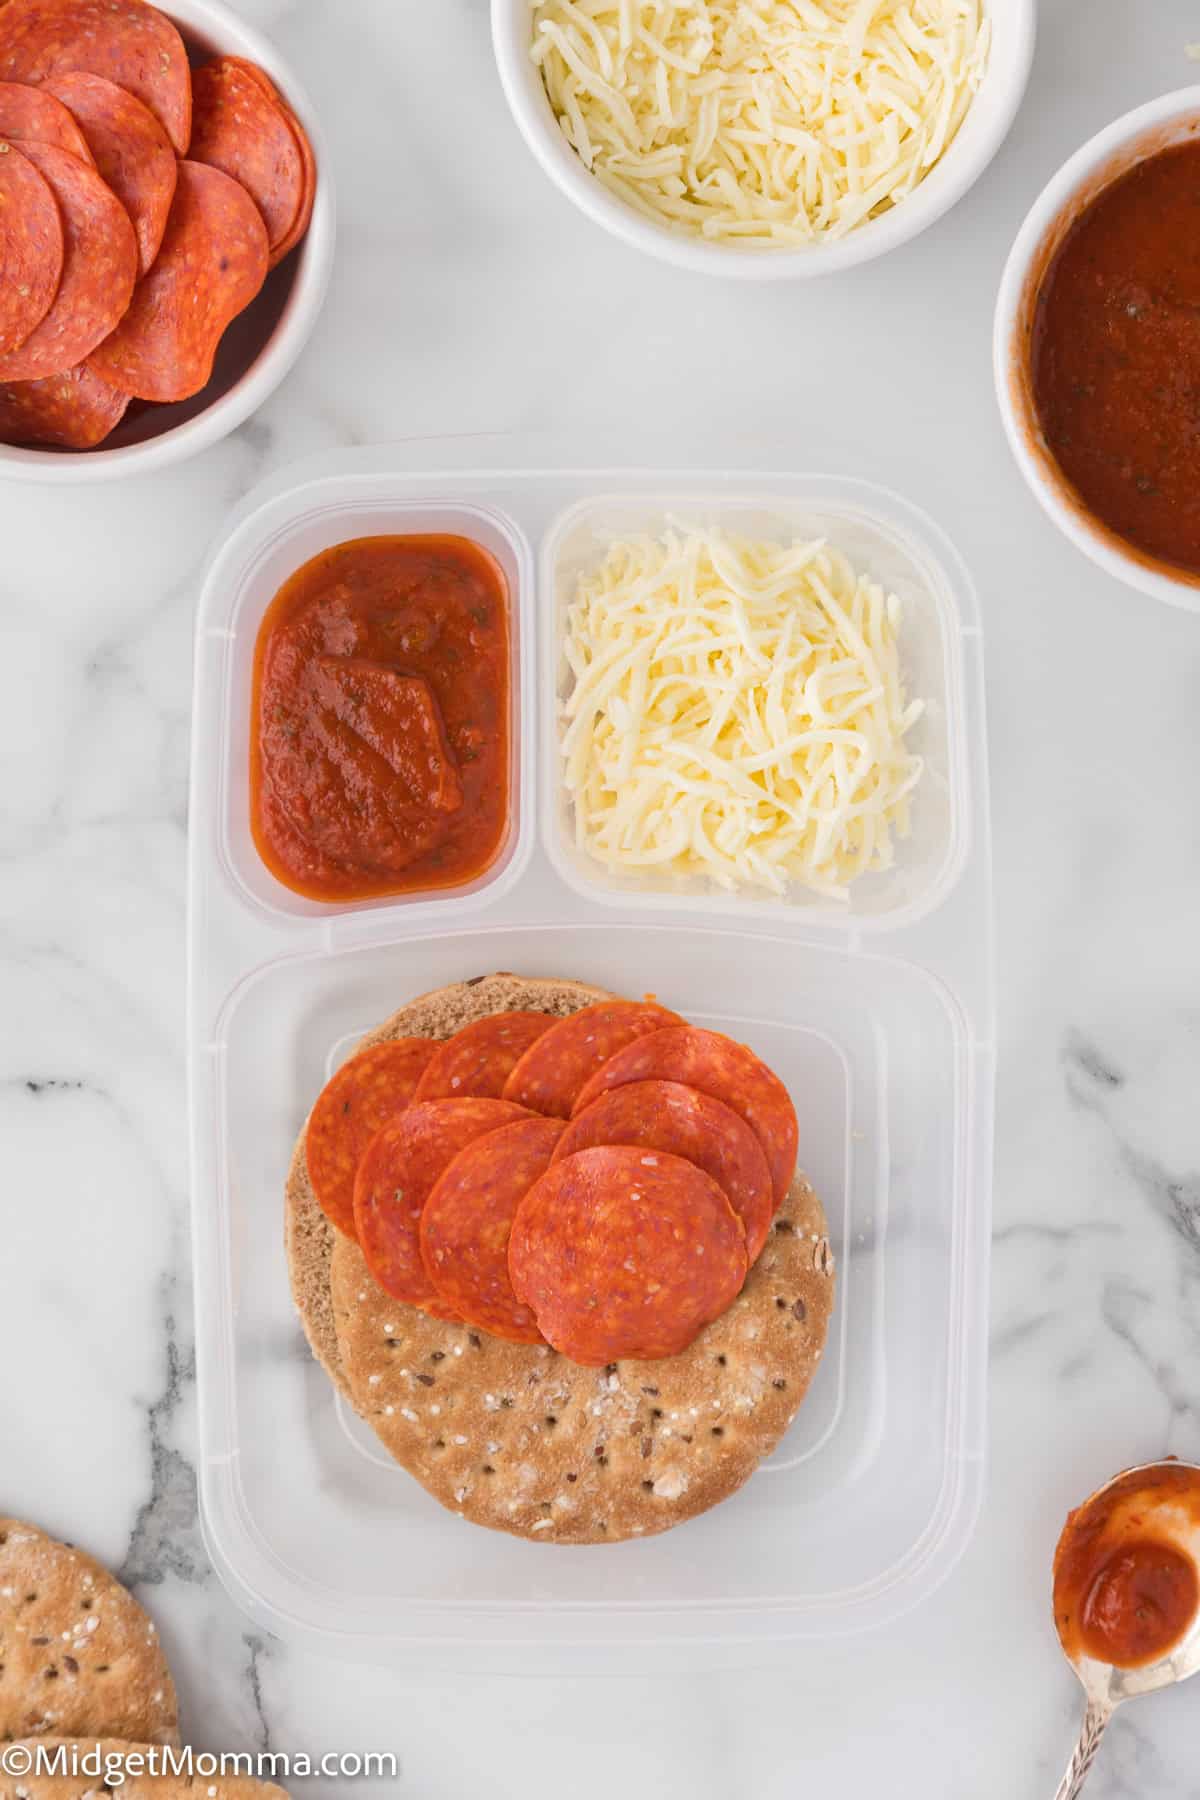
{"x": 368, "y": 1091}
{"x": 719, "y": 1066}
{"x": 618, "y": 1254}
{"x": 212, "y": 263}
{"x": 551, "y": 1073}
{"x": 466, "y": 1221}
{"x": 478, "y": 1060}
{"x": 126, "y": 41}
{"x": 130, "y": 149}
{"x": 31, "y": 247}
{"x": 304, "y": 216}
{"x": 31, "y": 113}
{"x": 239, "y": 126}
{"x": 664, "y": 1115}
{"x": 397, "y": 1174}
{"x": 75, "y": 410}
{"x": 99, "y": 269}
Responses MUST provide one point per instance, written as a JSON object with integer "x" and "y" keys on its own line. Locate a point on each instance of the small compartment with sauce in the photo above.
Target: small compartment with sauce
{"x": 399, "y": 597}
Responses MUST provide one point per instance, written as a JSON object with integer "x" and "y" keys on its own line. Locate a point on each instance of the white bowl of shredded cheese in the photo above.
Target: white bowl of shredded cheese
{"x": 756, "y": 702}
{"x": 764, "y": 139}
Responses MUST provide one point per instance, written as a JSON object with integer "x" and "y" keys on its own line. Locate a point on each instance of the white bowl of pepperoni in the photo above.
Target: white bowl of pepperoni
{"x": 166, "y": 227}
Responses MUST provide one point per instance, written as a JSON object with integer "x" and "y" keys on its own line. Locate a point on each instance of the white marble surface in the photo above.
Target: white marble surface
{"x": 465, "y": 292}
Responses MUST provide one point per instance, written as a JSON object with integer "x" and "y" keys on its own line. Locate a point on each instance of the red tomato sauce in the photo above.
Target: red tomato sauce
{"x": 379, "y": 759}
{"x": 1116, "y": 357}
{"x": 1122, "y": 1594}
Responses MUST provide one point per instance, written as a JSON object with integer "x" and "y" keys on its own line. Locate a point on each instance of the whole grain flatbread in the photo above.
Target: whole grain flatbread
{"x": 89, "y": 1753}
{"x": 308, "y": 1236}
{"x": 516, "y": 1437}
{"x": 78, "y": 1656}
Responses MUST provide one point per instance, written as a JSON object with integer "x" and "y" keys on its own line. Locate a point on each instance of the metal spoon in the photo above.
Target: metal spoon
{"x": 1107, "y": 1687}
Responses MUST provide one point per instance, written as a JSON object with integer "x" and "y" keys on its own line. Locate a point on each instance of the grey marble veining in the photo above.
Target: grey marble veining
{"x": 470, "y": 297}
{"x": 166, "y": 1540}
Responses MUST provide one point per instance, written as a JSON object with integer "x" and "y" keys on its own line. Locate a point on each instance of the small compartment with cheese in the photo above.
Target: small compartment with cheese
{"x": 755, "y": 704}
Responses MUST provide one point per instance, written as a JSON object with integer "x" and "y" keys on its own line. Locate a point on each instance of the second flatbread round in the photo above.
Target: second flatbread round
{"x": 78, "y": 1656}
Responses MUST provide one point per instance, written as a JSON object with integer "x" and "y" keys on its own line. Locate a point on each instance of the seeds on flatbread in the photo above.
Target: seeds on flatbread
{"x": 514, "y": 1436}
{"x": 78, "y": 1656}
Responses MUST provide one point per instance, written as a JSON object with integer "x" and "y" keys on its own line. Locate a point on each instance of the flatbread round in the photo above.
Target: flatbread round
{"x": 308, "y": 1235}
{"x": 78, "y": 1656}
{"x": 515, "y": 1437}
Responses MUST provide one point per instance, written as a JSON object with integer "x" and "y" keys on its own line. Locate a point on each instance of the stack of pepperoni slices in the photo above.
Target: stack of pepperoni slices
{"x": 142, "y": 204}
{"x": 601, "y": 1183}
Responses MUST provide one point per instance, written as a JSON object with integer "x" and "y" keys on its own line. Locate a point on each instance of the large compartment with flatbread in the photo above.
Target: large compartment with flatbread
{"x": 881, "y": 1035}
{"x": 515, "y": 1436}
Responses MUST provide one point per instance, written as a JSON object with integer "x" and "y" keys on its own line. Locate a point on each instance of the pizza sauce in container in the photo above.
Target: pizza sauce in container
{"x": 1126, "y": 1584}
{"x": 379, "y": 753}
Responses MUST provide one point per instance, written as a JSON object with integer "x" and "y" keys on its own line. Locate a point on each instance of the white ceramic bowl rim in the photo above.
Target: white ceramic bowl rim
{"x": 211, "y": 20}
{"x": 979, "y": 138}
{"x": 1102, "y": 159}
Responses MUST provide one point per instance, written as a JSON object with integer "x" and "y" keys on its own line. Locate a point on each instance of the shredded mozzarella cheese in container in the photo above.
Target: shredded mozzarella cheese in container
{"x": 736, "y": 710}
{"x": 761, "y": 122}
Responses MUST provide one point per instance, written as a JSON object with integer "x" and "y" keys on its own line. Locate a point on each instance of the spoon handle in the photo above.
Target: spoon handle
{"x": 1095, "y": 1721}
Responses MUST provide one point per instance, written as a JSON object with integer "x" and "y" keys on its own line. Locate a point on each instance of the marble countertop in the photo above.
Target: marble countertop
{"x": 464, "y": 292}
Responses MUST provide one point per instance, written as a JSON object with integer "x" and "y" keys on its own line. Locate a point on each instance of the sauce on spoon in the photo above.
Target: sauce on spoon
{"x": 1126, "y": 1588}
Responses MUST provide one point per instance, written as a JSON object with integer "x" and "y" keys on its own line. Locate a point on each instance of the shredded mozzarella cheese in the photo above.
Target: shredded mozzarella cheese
{"x": 761, "y": 122}
{"x": 736, "y": 710}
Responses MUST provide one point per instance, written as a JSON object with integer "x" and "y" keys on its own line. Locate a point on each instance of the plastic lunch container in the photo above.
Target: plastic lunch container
{"x": 878, "y": 1016}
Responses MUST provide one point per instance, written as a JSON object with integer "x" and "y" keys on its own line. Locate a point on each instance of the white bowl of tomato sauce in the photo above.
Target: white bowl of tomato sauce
{"x": 1097, "y": 349}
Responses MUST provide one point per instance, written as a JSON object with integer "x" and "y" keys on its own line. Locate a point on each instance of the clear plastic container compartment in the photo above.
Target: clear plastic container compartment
{"x": 251, "y": 569}
{"x": 884, "y": 539}
{"x": 884, "y": 1042}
